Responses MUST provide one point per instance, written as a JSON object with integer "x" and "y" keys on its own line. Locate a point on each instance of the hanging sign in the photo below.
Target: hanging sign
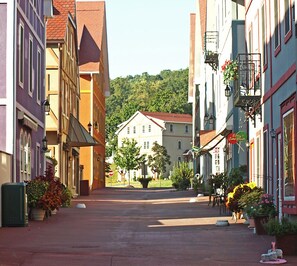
{"x": 232, "y": 138}
{"x": 241, "y": 136}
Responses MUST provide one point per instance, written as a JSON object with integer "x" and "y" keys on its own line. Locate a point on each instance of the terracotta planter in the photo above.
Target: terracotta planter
{"x": 287, "y": 243}
{"x": 37, "y": 214}
{"x": 259, "y": 221}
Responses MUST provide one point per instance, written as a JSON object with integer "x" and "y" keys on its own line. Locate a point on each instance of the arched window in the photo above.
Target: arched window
{"x": 21, "y": 155}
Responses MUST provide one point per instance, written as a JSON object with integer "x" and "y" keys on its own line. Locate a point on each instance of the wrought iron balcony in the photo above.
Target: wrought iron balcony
{"x": 247, "y": 88}
{"x": 211, "y": 56}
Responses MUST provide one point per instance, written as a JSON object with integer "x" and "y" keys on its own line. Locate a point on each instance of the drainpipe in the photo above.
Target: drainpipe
{"x": 14, "y": 93}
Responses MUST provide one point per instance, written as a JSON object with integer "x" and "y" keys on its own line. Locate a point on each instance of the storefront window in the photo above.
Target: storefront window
{"x": 288, "y": 155}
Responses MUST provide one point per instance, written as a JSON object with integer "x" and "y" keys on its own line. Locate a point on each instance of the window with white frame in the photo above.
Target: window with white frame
{"x": 289, "y": 155}
{"x": 144, "y": 144}
{"x": 128, "y": 130}
{"x": 37, "y": 163}
{"x": 30, "y": 67}
{"x": 143, "y": 129}
{"x": 148, "y": 144}
{"x": 21, "y": 54}
{"x": 25, "y": 156}
{"x": 217, "y": 159}
{"x": 287, "y": 16}
{"x": 263, "y": 34}
{"x": 38, "y": 73}
{"x": 134, "y": 129}
{"x": 276, "y": 24}
{"x": 149, "y": 128}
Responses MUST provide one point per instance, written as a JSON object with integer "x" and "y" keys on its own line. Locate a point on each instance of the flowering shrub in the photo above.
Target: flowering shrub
{"x": 230, "y": 71}
{"x": 264, "y": 207}
{"x": 234, "y": 196}
{"x": 46, "y": 192}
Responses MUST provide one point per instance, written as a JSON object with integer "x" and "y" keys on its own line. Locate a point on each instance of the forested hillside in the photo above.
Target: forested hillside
{"x": 165, "y": 92}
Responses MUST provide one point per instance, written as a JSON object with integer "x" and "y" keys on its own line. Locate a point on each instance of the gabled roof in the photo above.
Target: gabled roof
{"x": 169, "y": 117}
{"x": 56, "y": 26}
{"x": 90, "y": 26}
{"x": 155, "y": 117}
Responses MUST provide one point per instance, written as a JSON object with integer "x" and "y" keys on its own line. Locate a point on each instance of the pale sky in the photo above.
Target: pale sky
{"x": 148, "y": 35}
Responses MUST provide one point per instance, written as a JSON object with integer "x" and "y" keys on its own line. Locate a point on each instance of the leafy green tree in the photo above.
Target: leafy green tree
{"x": 165, "y": 92}
{"x": 181, "y": 176}
{"x": 128, "y": 156}
{"x": 159, "y": 159}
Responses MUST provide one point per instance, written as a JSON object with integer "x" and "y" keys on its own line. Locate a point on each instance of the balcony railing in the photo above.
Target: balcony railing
{"x": 247, "y": 88}
{"x": 211, "y": 57}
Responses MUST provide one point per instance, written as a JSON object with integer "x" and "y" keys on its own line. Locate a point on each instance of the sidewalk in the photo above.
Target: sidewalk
{"x": 135, "y": 227}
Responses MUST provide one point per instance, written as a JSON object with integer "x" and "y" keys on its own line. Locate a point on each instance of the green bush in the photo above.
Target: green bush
{"x": 286, "y": 227}
{"x": 181, "y": 176}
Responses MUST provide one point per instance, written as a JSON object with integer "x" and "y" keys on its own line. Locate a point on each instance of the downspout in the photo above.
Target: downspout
{"x": 14, "y": 94}
{"x": 60, "y": 132}
{"x": 92, "y": 129}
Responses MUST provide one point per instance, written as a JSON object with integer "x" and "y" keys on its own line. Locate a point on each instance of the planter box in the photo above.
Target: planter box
{"x": 259, "y": 221}
{"x": 287, "y": 243}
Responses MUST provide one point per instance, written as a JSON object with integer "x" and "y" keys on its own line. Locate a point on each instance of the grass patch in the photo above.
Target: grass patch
{"x": 111, "y": 182}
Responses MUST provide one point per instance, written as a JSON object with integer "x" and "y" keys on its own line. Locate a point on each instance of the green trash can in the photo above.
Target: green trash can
{"x": 14, "y": 205}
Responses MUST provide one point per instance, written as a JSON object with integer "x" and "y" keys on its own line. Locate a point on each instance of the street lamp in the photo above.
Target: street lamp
{"x": 89, "y": 127}
{"x": 44, "y": 144}
{"x": 227, "y": 91}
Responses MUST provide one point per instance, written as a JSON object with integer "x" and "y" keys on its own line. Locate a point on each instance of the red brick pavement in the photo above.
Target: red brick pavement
{"x": 134, "y": 227}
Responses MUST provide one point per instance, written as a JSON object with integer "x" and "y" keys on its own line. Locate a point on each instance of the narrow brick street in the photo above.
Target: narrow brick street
{"x": 131, "y": 227}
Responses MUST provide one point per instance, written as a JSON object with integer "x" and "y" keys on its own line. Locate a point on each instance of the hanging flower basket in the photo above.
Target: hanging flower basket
{"x": 230, "y": 71}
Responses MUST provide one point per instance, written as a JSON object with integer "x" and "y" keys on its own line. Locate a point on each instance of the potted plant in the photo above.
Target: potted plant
{"x": 44, "y": 194}
{"x": 230, "y": 71}
{"x": 262, "y": 211}
{"x": 247, "y": 201}
{"x": 234, "y": 196}
{"x": 144, "y": 181}
{"x": 36, "y": 189}
{"x": 285, "y": 232}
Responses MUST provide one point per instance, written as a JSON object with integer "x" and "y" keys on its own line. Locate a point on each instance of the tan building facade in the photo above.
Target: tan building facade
{"x": 173, "y": 131}
{"x": 94, "y": 84}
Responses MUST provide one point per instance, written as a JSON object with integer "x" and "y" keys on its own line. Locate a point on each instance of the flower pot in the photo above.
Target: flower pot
{"x": 144, "y": 183}
{"x": 287, "y": 243}
{"x": 37, "y": 214}
{"x": 251, "y": 223}
{"x": 259, "y": 221}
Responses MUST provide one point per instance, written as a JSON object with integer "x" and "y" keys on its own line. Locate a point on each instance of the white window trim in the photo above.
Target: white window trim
{"x": 21, "y": 58}
{"x": 38, "y": 75}
{"x": 30, "y": 67}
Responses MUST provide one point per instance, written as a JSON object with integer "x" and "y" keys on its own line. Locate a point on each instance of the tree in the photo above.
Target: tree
{"x": 159, "y": 159}
{"x": 165, "y": 92}
{"x": 181, "y": 176}
{"x": 128, "y": 156}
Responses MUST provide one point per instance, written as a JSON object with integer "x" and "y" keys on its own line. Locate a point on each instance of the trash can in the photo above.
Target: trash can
{"x": 84, "y": 188}
{"x": 14, "y": 204}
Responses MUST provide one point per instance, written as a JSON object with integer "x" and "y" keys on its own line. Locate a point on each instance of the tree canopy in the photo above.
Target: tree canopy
{"x": 165, "y": 92}
{"x": 159, "y": 159}
{"x": 128, "y": 156}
